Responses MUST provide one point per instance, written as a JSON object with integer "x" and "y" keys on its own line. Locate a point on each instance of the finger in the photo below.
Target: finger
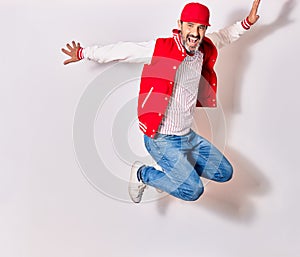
{"x": 69, "y": 47}
{"x": 68, "y": 61}
{"x": 256, "y": 2}
{"x": 66, "y": 51}
{"x": 78, "y": 45}
{"x": 255, "y": 6}
{"x": 253, "y": 17}
{"x": 74, "y": 44}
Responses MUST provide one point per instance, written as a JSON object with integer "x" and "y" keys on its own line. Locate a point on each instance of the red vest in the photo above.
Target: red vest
{"x": 158, "y": 77}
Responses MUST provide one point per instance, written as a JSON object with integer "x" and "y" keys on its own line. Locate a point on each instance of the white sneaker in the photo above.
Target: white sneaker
{"x": 136, "y": 188}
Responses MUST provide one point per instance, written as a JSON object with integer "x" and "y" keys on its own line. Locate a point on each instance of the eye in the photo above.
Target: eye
{"x": 202, "y": 27}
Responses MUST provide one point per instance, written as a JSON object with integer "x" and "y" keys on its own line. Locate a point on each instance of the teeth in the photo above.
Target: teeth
{"x": 193, "y": 40}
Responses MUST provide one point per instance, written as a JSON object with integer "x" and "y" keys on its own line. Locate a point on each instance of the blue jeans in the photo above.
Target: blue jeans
{"x": 183, "y": 160}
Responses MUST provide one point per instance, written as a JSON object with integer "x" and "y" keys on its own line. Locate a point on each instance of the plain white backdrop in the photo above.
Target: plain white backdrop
{"x": 47, "y": 206}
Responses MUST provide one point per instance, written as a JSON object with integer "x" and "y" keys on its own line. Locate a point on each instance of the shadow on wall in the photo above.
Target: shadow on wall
{"x": 234, "y": 59}
{"x": 236, "y": 200}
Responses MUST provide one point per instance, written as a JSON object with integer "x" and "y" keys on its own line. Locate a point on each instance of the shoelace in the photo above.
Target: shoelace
{"x": 141, "y": 189}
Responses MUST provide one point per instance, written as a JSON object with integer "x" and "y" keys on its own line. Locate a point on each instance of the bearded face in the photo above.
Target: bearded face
{"x": 191, "y": 35}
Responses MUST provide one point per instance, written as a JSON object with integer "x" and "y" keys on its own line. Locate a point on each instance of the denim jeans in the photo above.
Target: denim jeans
{"x": 184, "y": 159}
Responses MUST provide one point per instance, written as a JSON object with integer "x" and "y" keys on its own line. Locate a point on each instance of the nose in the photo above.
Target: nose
{"x": 195, "y": 32}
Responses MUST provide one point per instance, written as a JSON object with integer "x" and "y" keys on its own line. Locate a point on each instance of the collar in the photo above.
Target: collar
{"x": 177, "y": 38}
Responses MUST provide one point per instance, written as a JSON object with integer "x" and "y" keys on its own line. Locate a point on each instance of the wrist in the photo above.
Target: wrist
{"x": 80, "y": 53}
{"x": 246, "y": 23}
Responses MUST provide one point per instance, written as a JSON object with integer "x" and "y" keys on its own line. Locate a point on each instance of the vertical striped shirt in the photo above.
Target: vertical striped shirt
{"x": 178, "y": 118}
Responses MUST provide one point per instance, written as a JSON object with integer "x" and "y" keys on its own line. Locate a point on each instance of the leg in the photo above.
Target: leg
{"x": 178, "y": 178}
{"x": 208, "y": 161}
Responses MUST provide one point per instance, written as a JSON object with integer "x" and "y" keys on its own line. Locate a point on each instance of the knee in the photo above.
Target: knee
{"x": 227, "y": 173}
{"x": 192, "y": 193}
{"x": 197, "y": 193}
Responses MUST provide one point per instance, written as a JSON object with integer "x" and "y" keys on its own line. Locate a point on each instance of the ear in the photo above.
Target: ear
{"x": 179, "y": 24}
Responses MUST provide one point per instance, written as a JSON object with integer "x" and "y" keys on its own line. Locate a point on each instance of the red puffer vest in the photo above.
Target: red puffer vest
{"x": 158, "y": 77}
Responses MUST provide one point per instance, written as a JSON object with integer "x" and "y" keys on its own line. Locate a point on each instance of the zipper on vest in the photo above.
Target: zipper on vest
{"x": 148, "y": 95}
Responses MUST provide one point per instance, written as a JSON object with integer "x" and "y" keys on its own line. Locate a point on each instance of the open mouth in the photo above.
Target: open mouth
{"x": 193, "y": 41}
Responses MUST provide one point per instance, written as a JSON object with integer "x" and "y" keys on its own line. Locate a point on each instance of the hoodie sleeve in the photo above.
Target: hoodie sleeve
{"x": 229, "y": 34}
{"x": 122, "y": 51}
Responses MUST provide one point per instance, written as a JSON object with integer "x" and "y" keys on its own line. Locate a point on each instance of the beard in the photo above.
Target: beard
{"x": 191, "y": 43}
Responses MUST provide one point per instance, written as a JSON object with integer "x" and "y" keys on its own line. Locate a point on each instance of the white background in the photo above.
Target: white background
{"x": 47, "y": 206}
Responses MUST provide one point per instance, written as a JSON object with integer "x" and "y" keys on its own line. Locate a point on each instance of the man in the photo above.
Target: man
{"x": 179, "y": 77}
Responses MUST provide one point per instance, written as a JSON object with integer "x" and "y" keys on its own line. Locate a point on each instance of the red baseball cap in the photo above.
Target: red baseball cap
{"x": 195, "y": 12}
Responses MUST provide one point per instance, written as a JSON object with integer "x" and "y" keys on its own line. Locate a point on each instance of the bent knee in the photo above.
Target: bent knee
{"x": 197, "y": 194}
{"x": 227, "y": 173}
{"x": 192, "y": 194}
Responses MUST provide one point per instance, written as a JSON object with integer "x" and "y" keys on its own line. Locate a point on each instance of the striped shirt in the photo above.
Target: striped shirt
{"x": 178, "y": 118}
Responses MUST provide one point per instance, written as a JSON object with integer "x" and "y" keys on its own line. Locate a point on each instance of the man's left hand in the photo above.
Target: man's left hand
{"x": 253, "y": 17}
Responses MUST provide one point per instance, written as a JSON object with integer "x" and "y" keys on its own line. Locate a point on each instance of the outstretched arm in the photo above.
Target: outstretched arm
{"x": 230, "y": 34}
{"x": 122, "y": 51}
{"x": 73, "y": 52}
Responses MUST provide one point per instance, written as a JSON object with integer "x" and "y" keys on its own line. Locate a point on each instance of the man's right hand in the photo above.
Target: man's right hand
{"x": 73, "y": 52}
